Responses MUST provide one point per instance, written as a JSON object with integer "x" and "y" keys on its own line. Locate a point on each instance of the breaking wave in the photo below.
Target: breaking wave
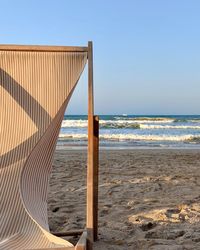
{"x": 129, "y": 124}
{"x": 121, "y": 125}
{"x": 189, "y": 138}
{"x": 143, "y": 126}
{"x": 138, "y": 130}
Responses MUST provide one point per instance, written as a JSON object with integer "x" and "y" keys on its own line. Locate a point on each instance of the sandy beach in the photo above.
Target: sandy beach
{"x": 148, "y": 199}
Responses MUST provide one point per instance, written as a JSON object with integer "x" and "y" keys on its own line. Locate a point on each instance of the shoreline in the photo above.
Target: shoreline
{"x": 76, "y": 147}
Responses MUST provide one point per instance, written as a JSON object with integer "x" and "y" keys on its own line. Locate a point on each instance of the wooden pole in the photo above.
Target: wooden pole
{"x": 90, "y": 82}
{"x": 92, "y": 168}
{"x": 96, "y": 175}
{"x": 90, "y": 173}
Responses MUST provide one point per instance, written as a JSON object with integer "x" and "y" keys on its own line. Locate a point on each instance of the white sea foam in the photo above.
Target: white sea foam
{"x": 146, "y": 124}
{"x": 139, "y": 121}
{"x": 74, "y": 123}
{"x": 194, "y": 120}
{"x": 153, "y": 121}
{"x": 73, "y": 136}
{"x": 83, "y": 123}
{"x": 136, "y": 137}
{"x": 138, "y": 130}
{"x": 149, "y": 137}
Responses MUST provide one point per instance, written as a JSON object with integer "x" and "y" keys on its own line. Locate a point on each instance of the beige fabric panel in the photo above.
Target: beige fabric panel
{"x": 35, "y": 88}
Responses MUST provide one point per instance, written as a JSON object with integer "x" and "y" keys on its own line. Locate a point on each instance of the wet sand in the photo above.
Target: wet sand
{"x": 148, "y": 199}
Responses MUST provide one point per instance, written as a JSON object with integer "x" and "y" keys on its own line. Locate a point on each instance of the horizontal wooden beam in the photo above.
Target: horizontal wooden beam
{"x": 58, "y": 248}
{"x": 68, "y": 233}
{"x": 82, "y": 243}
{"x": 41, "y": 48}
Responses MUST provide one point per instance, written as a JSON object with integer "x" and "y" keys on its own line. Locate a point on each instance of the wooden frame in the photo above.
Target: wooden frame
{"x": 92, "y": 170}
{"x": 44, "y": 48}
{"x": 93, "y": 159}
{"x": 81, "y": 245}
{"x": 89, "y": 235}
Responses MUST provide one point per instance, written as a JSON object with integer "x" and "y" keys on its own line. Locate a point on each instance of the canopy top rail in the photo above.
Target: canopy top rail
{"x": 42, "y": 48}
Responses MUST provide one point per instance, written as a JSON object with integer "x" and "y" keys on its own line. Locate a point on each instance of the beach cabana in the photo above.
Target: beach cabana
{"x": 36, "y": 83}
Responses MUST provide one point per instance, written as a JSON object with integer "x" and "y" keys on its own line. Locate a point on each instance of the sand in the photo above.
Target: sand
{"x": 148, "y": 199}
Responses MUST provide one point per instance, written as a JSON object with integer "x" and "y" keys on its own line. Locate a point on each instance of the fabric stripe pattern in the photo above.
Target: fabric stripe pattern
{"x": 35, "y": 88}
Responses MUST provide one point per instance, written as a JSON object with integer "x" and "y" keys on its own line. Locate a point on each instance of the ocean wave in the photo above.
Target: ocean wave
{"x": 120, "y": 124}
{"x": 180, "y": 120}
{"x": 103, "y": 124}
{"x": 74, "y": 123}
{"x": 73, "y": 136}
{"x": 142, "y": 121}
{"x": 143, "y": 126}
{"x": 175, "y": 138}
{"x": 156, "y": 119}
{"x": 194, "y": 139}
{"x": 194, "y": 120}
{"x": 128, "y": 137}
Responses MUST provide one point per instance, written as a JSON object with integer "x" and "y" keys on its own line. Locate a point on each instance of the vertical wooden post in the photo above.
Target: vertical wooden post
{"x": 93, "y": 158}
{"x": 96, "y": 175}
{"x": 90, "y": 166}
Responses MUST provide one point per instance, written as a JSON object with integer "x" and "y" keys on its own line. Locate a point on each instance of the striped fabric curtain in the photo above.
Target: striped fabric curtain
{"x": 35, "y": 88}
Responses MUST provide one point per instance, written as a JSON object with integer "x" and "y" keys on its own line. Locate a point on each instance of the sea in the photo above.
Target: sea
{"x": 134, "y": 131}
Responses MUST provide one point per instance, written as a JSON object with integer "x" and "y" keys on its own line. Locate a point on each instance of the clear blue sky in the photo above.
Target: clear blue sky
{"x": 147, "y": 52}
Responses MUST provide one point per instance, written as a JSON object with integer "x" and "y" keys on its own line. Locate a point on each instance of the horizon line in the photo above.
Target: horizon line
{"x": 139, "y": 114}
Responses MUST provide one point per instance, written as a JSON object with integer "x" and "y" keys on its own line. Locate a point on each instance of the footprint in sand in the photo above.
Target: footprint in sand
{"x": 148, "y": 226}
{"x": 55, "y": 209}
{"x": 175, "y": 214}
